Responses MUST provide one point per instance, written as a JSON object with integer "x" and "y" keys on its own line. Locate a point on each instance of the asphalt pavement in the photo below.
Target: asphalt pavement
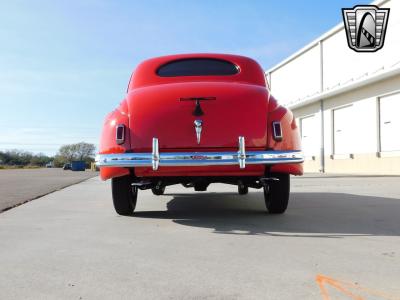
{"x": 339, "y": 239}
{"x": 18, "y": 186}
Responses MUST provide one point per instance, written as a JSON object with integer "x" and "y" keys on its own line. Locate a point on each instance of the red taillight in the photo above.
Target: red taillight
{"x": 277, "y": 131}
{"x": 120, "y": 134}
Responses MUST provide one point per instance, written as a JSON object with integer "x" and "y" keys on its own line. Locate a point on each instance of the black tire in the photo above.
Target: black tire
{"x": 243, "y": 190}
{"x": 158, "y": 190}
{"x": 124, "y": 195}
{"x": 277, "y": 195}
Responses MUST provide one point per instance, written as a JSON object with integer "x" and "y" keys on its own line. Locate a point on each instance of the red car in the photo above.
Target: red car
{"x": 197, "y": 119}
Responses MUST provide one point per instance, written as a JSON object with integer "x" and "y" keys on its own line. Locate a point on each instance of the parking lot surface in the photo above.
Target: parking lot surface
{"x": 20, "y": 185}
{"x": 339, "y": 239}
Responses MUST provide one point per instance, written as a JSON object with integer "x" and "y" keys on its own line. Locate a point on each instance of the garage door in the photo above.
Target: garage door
{"x": 343, "y": 131}
{"x": 310, "y": 139}
{"x": 390, "y": 123}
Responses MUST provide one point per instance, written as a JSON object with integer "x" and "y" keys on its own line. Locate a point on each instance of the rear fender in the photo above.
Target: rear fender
{"x": 291, "y": 135}
{"x": 108, "y": 144}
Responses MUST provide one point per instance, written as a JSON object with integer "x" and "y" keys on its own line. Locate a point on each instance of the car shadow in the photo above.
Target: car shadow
{"x": 327, "y": 215}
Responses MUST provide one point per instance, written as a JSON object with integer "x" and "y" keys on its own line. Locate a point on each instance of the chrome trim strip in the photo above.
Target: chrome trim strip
{"x": 198, "y": 159}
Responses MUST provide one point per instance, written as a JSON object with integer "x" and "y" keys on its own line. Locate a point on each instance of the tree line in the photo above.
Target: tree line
{"x": 66, "y": 154}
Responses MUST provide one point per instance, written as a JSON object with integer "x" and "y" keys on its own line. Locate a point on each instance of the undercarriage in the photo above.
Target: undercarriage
{"x": 201, "y": 183}
{"x": 276, "y": 188}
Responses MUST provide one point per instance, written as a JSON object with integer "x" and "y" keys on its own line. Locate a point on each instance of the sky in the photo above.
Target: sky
{"x": 65, "y": 64}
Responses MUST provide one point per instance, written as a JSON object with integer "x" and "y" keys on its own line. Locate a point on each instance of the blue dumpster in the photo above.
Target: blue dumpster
{"x": 78, "y": 165}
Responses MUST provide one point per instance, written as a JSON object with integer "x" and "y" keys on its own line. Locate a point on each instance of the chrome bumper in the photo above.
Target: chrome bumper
{"x": 177, "y": 159}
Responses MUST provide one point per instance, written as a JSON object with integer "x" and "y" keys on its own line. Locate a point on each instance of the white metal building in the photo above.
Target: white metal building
{"x": 347, "y": 104}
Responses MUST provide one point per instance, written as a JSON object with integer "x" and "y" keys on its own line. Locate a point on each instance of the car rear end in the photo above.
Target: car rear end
{"x": 199, "y": 119}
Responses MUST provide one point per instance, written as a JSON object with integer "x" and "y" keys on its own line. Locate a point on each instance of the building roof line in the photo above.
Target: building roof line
{"x": 348, "y": 86}
{"x": 316, "y": 41}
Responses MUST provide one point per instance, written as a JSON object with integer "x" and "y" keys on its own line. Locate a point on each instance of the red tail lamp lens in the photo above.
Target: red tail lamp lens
{"x": 120, "y": 134}
{"x": 277, "y": 131}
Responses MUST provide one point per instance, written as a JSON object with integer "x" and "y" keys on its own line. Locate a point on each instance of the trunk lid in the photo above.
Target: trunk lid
{"x": 229, "y": 110}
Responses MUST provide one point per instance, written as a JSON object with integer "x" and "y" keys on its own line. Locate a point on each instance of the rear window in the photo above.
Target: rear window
{"x": 197, "y": 67}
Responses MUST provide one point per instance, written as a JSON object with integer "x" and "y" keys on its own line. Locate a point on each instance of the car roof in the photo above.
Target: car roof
{"x": 145, "y": 74}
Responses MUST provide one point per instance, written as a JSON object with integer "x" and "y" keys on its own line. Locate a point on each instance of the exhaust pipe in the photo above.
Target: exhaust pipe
{"x": 143, "y": 185}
